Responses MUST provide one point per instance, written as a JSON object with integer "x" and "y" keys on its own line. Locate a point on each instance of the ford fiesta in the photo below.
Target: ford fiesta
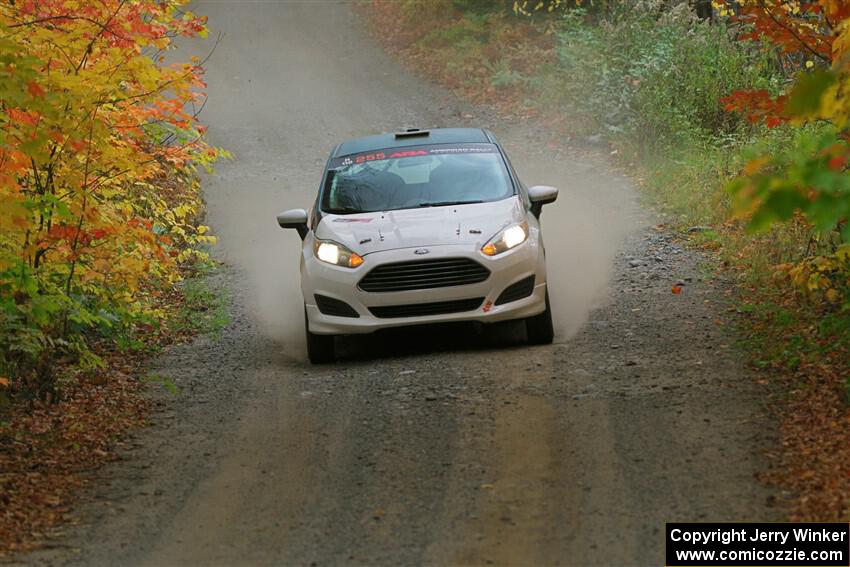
{"x": 418, "y": 227}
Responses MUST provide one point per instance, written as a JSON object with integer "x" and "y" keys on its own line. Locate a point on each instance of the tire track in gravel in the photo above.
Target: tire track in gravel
{"x": 437, "y": 446}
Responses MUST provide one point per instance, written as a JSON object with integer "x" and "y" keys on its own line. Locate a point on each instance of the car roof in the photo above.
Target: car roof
{"x": 427, "y": 137}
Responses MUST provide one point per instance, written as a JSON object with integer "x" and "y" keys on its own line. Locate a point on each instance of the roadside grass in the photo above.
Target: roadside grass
{"x": 651, "y": 88}
{"x": 205, "y": 309}
{"x": 167, "y": 384}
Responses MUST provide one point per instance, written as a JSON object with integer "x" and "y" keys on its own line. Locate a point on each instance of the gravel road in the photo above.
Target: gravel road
{"x": 438, "y": 446}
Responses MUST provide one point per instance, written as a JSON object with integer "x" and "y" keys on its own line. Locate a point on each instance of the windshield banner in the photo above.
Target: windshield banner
{"x": 433, "y": 150}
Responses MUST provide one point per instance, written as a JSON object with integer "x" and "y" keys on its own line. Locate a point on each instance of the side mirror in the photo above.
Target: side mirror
{"x": 541, "y": 195}
{"x": 294, "y": 218}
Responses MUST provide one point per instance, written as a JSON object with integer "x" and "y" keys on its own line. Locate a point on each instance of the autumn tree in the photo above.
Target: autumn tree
{"x": 98, "y": 139}
{"x": 809, "y": 179}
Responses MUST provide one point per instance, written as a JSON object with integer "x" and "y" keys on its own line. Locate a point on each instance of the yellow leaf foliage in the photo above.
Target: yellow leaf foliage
{"x": 99, "y": 143}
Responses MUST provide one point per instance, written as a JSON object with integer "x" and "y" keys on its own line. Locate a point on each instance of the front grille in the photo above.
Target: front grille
{"x": 422, "y": 309}
{"x": 330, "y": 306}
{"x": 424, "y": 274}
{"x": 519, "y": 290}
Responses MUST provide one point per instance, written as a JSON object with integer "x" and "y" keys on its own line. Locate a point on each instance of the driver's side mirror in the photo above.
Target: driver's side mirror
{"x": 294, "y": 218}
{"x": 540, "y": 195}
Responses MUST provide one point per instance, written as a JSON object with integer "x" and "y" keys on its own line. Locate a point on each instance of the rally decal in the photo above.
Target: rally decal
{"x": 438, "y": 149}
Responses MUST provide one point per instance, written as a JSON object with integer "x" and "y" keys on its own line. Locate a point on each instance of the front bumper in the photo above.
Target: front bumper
{"x": 341, "y": 284}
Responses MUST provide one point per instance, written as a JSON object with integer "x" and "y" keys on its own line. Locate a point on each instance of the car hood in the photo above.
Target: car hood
{"x": 474, "y": 223}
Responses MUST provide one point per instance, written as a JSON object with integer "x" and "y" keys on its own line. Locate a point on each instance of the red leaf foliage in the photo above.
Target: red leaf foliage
{"x": 757, "y": 106}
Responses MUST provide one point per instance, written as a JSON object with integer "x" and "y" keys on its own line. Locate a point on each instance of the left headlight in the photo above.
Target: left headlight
{"x": 511, "y": 237}
{"x": 336, "y": 254}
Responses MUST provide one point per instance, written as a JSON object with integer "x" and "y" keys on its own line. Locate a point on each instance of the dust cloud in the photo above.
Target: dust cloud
{"x": 583, "y": 230}
{"x": 265, "y": 256}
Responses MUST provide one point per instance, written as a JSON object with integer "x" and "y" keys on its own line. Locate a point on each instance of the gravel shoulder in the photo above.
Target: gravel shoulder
{"x": 439, "y": 446}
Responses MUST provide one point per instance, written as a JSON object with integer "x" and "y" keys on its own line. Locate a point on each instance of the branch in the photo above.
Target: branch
{"x": 103, "y": 28}
{"x": 800, "y": 40}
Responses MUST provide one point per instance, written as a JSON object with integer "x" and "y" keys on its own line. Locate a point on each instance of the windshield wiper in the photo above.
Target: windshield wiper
{"x": 448, "y": 203}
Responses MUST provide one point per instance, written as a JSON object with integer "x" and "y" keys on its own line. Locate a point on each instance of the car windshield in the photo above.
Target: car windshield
{"x": 429, "y": 176}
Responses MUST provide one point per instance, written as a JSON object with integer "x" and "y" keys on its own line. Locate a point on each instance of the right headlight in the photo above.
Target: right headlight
{"x": 508, "y": 238}
{"x": 336, "y": 254}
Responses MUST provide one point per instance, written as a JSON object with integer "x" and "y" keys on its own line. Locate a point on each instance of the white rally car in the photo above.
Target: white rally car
{"x": 418, "y": 227}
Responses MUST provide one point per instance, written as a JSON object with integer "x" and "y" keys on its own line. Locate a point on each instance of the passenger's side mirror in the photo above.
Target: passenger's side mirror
{"x": 294, "y": 218}
{"x": 540, "y": 195}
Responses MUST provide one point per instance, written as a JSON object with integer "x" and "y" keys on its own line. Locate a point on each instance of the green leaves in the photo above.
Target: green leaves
{"x": 807, "y": 93}
{"x": 808, "y": 178}
{"x": 779, "y": 205}
{"x": 805, "y": 178}
{"x": 806, "y": 181}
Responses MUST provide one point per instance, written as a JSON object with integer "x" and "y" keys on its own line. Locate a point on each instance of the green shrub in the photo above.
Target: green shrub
{"x": 471, "y": 28}
{"x": 659, "y": 77}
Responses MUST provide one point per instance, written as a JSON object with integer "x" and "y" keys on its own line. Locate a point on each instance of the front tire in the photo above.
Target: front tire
{"x": 320, "y": 348}
{"x": 539, "y": 328}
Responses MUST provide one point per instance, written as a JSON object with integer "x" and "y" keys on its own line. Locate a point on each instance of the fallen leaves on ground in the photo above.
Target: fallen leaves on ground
{"x": 47, "y": 451}
{"x": 812, "y": 462}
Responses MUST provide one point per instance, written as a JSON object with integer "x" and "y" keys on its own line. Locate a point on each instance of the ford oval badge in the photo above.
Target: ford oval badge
{"x": 421, "y": 251}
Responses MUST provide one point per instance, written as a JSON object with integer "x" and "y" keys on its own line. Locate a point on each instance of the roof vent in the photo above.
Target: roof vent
{"x": 412, "y": 132}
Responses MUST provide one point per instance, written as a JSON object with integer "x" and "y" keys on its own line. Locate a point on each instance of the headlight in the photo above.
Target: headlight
{"x": 510, "y": 237}
{"x": 336, "y": 254}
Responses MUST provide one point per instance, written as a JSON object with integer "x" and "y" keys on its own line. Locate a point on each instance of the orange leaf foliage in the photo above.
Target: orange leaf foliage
{"x": 93, "y": 126}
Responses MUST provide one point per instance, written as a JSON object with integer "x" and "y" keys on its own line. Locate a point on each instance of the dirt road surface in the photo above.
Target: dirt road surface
{"x": 435, "y": 446}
